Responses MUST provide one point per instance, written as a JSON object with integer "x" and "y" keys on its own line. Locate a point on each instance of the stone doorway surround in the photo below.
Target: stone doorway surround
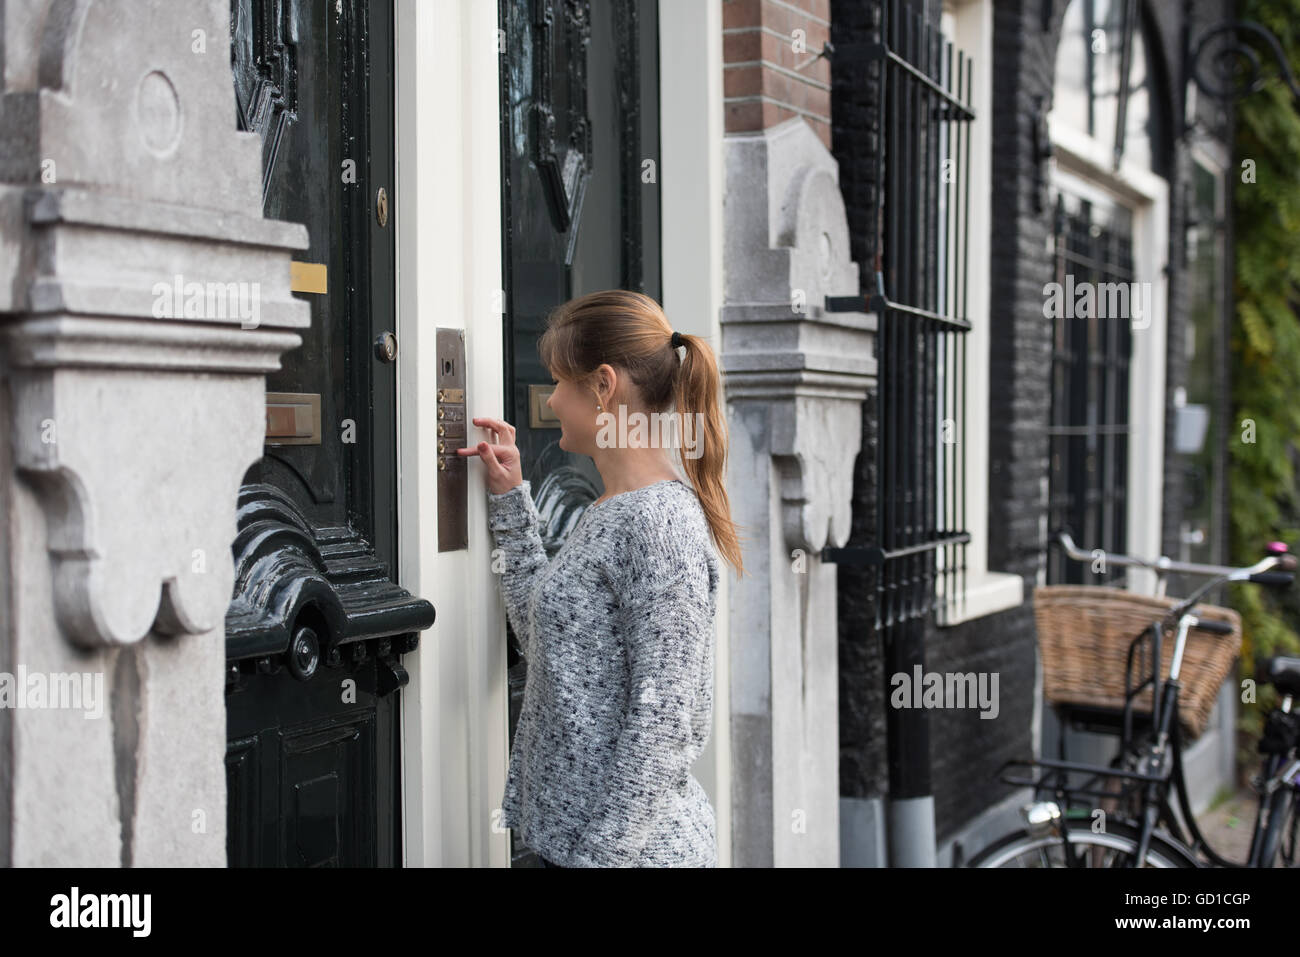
{"x": 131, "y": 414}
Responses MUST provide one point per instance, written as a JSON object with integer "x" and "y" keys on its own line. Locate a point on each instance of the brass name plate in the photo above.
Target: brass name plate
{"x": 293, "y": 418}
{"x": 308, "y": 277}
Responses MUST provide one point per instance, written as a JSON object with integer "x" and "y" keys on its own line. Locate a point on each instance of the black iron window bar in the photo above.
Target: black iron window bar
{"x": 1089, "y": 426}
{"x": 923, "y": 178}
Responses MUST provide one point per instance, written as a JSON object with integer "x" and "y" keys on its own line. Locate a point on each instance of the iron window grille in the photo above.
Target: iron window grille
{"x": 1089, "y": 427}
{"x": 923, "y": 182}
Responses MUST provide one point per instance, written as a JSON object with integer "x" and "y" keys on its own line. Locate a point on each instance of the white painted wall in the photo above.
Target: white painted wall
{"x": 691, "y": 176}
{"x": 447, "y": 209}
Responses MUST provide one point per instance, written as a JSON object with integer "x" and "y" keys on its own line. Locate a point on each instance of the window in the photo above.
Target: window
{"x": 969, "y": 26}
{"x": 1107, "y": 417}
{"x": 1090, "y": 62}
{"x": 1201, "y": 411}
{"x": 932, "y": 292}
{"x": 1091, "y": 350}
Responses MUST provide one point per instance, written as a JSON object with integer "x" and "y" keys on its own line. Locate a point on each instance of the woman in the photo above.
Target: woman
{"x": 617, "y": 628}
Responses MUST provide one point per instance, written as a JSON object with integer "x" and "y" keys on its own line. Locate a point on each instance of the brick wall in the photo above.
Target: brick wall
{"x": 862, "y": 682}
{"x": 765, "y": 80}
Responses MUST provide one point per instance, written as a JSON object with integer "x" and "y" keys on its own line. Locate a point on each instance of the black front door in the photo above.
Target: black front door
{"x": 317, "y": 626}
{"x": 580, "y": 168}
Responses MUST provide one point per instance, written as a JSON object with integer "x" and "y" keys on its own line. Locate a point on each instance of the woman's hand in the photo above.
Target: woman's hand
{"x": 501, "y": 460}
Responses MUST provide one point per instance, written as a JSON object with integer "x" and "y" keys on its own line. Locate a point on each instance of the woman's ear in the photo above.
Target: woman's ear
{"x": 606, "y": 382}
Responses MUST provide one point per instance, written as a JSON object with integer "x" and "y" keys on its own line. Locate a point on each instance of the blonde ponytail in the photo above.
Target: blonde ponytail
{"x": 629, "y": 330}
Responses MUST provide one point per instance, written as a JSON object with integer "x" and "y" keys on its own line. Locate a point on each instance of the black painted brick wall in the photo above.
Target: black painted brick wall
{"x": 854, "y": 134}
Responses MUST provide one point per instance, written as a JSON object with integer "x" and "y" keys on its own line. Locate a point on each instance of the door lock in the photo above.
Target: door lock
{"x": 386, "y": 347}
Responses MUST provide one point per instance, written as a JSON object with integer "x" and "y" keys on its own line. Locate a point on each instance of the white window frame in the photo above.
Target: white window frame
{"x": 983, "y": 592}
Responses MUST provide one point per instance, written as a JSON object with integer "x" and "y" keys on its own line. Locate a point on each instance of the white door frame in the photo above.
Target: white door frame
{"x": 447, "y": 213}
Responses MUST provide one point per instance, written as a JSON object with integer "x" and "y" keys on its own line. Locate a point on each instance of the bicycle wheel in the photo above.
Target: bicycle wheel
{"x": 1115, "y": 847}
{"x": 1280, "y": 808}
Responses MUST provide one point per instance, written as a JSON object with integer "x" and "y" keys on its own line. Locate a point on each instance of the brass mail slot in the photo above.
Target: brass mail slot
{"x": 540, "y": 415}
{"x": 293, "y": 418}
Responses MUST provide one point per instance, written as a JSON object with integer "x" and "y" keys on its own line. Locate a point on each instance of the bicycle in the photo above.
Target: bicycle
{"x": 1143, "y": 830}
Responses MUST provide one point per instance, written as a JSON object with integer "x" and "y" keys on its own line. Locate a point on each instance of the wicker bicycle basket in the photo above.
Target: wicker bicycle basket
{"x": 1084, "y": 634}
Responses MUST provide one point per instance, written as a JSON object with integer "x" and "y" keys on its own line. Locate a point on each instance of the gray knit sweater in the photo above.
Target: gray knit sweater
{"x": 617, "y": 630}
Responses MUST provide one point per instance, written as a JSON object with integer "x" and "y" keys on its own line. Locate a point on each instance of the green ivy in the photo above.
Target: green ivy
{"x": 1265, "y": 345}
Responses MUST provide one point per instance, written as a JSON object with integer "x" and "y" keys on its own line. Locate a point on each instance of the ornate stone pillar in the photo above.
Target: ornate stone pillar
{"x": 143, "y": 298}
{"x": 795, "y": 377}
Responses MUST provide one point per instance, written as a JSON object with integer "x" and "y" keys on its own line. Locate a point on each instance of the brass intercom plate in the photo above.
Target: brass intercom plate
{"x": 292, "y": 418}
{"x": 540, "y": 415}
{"x": 452, "y": 433}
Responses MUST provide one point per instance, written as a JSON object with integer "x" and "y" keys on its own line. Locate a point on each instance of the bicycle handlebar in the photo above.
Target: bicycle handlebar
{"x": 1216, "y": 627}
{"x": 1281, "y": 579}
{"x": 1280, "y": 561}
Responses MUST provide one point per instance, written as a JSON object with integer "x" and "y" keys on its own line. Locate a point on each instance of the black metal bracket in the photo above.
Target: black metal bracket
{"x": 875, "y": 303}
{"x": 854, "y": 555}
{"x": 1240, "y": 49}
{"x": 954, "y": 109}
{"x": 1224, "y": 59}
{"x": 854, "y": 52}
{"x": 875, "y": 555}
{"x": 880, "y": 304}
{"x": 827, "y": 51}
